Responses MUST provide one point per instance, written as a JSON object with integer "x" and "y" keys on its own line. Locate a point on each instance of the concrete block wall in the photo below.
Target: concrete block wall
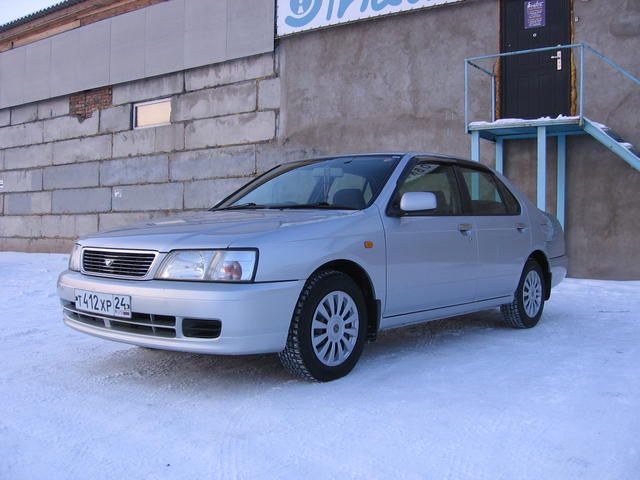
{"x": 392, "y": 84}
{"x": 63, "y": 177}
{"x": 398, "y": 84}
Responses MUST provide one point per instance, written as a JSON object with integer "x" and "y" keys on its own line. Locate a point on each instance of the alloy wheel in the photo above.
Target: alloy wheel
{"x": 532, "y": 293}
{"x": 335, "y": 327}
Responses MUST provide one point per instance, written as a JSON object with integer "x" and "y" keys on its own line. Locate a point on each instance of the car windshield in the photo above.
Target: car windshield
{"x": 345, "y": 183}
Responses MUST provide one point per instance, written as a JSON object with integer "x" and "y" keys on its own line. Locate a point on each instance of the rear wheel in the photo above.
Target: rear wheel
{"x": 328, "y": 328}
{"x": 526, "y": 309}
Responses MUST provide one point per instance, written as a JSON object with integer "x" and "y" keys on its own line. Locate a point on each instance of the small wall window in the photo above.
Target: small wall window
{"x": 152, "y": 114}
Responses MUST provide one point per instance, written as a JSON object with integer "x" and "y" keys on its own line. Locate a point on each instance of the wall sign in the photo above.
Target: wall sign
{"x": 535, "y": 14}
{"x": 301, "y": 15}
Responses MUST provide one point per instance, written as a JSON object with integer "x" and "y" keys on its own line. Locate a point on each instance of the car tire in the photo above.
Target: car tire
{"x": 332, "y": 301}
{"x": 528, "y": 303}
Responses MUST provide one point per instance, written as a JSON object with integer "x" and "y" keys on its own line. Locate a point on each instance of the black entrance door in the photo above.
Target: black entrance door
{"x": 535, "y": 85}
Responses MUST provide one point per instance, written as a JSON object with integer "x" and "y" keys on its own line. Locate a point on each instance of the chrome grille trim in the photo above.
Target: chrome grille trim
{"x": 131, "y": 264}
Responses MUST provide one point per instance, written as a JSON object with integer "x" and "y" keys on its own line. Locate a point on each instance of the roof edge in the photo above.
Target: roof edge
{"x": 38, "y": 14}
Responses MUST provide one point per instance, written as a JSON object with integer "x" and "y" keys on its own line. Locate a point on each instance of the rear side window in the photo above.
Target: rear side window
{"x": 513, "y": 207}
{"x": 488, "y": 197}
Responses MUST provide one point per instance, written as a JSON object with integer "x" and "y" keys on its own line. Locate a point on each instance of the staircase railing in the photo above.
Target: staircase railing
{"x": 579, "y": 58}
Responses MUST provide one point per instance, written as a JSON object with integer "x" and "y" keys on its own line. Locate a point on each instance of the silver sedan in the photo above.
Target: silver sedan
{"x": 312, "y": 259}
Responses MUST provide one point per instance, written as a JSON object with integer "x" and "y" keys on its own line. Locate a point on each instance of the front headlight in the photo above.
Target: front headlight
{"x": 75, "y": 259}
{"x": 209, "y": 265}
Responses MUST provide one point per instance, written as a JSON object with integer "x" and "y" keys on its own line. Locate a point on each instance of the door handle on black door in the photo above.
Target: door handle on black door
{"x": 558, "y": 58}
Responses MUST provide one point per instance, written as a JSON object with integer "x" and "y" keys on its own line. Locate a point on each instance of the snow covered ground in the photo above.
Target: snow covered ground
{"x": 464, "y": 398}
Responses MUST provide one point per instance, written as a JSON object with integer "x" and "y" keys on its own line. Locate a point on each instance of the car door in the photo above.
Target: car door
{"x": 502, "y": 230}
{"x": 431, "y": 255}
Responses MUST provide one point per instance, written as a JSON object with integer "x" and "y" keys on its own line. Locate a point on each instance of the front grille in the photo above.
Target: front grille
{"x": 139, "y": 323}
{"x": 117, "y": 263}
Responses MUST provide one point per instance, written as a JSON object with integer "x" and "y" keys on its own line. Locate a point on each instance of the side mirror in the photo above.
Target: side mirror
{"x": 418, "y": 201}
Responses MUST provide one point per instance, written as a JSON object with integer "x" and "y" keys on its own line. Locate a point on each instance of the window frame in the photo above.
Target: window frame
{"x": 393, "y": 206}
{"x": 136, "y": 105}
{"x": 500, "y": 186}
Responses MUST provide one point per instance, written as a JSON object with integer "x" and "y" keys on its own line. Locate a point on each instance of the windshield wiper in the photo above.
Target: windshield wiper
{"x": 242, "y": 206}
{"x": 319, "y": 205}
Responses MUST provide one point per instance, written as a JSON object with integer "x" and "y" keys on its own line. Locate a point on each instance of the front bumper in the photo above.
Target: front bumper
{"x": 255, "y": 317}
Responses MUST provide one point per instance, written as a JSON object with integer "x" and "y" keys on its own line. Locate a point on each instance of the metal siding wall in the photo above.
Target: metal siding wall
{"x": 164, "y": 38}
{"x": 92, "y": 63}
{"x": 12, "y": 65}
{"x": 205, "y": 38}
{"x": 127, "y": 46}
{"x": 160, "y": 39}
{"x": 239, "y": 44}
{"x": 36, "y": 73}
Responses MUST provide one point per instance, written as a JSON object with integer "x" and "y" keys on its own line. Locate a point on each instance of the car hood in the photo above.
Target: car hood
{"x": 219, "y": 229}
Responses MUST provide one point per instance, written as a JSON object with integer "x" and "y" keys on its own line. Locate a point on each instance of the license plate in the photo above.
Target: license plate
{"x": 104, "y": 303}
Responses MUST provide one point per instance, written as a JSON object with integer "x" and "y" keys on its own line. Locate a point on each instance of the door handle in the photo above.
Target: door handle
{"x": 558, "y": 58}
{"x": 521, "y": 227}
{"x": 465, "y": 228}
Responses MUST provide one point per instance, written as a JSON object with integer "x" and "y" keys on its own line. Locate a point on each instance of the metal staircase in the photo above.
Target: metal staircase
{"x": 614, "y": 142}
{"x": 499, "y": 131}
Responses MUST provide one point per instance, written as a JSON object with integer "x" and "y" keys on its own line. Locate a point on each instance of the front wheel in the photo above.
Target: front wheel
{"x": 526, "y": 309}
{"x": 328, "y": 328}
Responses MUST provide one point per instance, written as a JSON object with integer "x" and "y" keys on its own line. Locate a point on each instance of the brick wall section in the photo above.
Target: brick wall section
{"x": 72, "y": 166}
{"x": 83, "y": 104}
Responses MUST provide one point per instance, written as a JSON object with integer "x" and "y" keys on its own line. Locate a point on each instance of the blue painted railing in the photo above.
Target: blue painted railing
{"x": 581, "y": 49}
{"x": 539, "y": 129}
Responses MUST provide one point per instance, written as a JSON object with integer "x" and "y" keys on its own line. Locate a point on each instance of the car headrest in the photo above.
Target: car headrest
{"x": 349, "y": 197}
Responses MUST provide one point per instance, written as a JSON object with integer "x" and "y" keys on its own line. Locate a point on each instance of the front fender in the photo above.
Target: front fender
{"x": 296, "y": 255}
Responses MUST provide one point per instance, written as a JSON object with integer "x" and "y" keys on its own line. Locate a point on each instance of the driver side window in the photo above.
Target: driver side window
{"x": 438, "y": 179}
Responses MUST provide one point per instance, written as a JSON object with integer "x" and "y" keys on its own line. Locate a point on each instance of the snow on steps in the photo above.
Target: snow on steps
{"x": 613, "y": 141}
{"x": 521, "y": 122}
